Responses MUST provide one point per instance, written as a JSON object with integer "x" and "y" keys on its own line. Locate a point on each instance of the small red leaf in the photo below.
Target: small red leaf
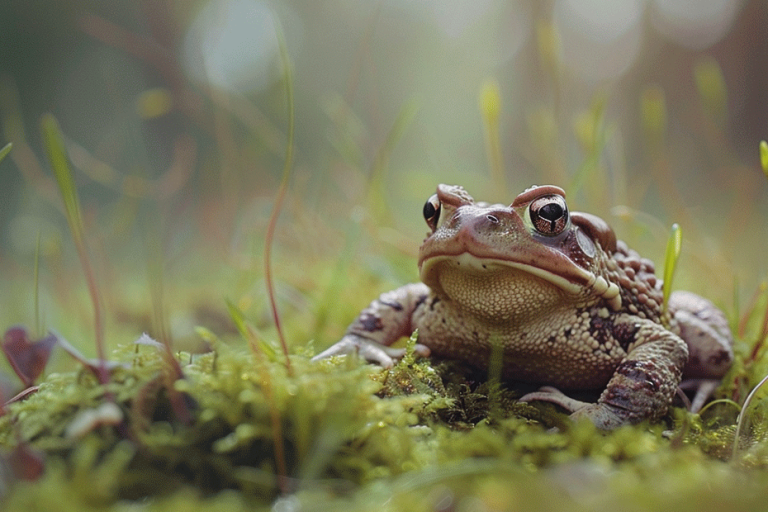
{"x": 92, "y": 364}
{"x": 27, "y": 358}
{"x": 26, "y": 463}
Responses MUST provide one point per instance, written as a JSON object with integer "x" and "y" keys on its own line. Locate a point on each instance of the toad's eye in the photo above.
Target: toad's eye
{"x": 432, "y": 212}
{"x": 549, "y": 215}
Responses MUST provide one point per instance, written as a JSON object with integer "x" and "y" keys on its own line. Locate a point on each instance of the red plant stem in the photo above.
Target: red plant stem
{"x": 98, "y": 318}
{"x": 274, "y": 415}
{"x": 288, "y": 79}
{"x": 57, "y": 154}
{"x": 282, "y": 469}
{"x": 268, "y": 269}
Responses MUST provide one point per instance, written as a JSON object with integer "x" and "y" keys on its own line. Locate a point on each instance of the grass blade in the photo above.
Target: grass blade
{"x": 238, "y": 318}
{"x": 57, "y": 156}
{"x": 38, "y": 323}
{"x": 740, "y": 421}
{"x": 710, "y": 83}
{"x": 4, "y": 152}
{"x": 672, "y": 254}
{"x": 490, "y": 107}
{"x": 377, "y": 199}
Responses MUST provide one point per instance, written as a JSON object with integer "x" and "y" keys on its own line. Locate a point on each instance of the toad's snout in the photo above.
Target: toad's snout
{"x": 488, "y": 228}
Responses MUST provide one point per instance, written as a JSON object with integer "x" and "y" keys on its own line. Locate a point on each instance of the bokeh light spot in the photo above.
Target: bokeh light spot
{"x": 232, "y": 44}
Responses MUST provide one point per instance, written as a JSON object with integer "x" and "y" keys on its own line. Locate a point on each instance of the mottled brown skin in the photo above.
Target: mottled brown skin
{"x": 569, "y": 306}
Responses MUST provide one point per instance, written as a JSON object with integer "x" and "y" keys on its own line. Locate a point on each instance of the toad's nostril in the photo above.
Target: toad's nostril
{"x": 492, "y": 219}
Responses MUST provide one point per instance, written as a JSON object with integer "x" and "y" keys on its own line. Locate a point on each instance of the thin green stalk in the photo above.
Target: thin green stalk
{"x": 57, "y": 156}
{"x": 38, "y": 324}
{"x": 377, "y": 199}
{"x": 743, "y": 416}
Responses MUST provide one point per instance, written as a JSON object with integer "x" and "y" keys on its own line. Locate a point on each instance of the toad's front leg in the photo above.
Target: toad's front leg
{"x": 383, "y": 322}
{"x": 643, "y": 384}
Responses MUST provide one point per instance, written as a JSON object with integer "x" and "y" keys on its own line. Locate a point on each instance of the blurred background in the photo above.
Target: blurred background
{"x": 175, "y": 114}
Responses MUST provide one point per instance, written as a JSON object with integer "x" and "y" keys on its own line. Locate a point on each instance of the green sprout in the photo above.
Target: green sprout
{"x": 4, "y": 152}
{"x": 763, "y": 157}
{"x": 653, "y": 107}
{"x": 57, "y": 156}
{"x": 710, "y": 84}
{"x": 672, "y": 254}
{"x": 490, "y": 106}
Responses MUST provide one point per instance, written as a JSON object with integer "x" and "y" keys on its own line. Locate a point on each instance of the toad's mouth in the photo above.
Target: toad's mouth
{"x": 468, "y": 262}
{"x": 575, "y": 281}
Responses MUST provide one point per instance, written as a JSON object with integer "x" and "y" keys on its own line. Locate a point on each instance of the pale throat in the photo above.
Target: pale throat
{"x": 499, "y": 293}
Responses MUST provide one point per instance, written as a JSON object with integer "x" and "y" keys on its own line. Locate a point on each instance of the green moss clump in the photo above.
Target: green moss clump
{"x": 346, "y": 434}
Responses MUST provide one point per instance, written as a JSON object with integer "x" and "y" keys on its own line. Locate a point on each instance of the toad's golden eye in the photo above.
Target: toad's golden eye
{"x": 549, "y": 215}
{"x": 432, "y": 212}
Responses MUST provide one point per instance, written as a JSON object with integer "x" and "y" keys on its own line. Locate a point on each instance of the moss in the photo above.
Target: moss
{"x": 419, "y": 434}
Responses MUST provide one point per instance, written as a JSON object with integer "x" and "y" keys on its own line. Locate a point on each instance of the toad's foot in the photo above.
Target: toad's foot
{"x": 369, "y": 350}
{"x": 555, "y": 396}
{"x": 604, "y": 416}
{"x": 704, "y": 390}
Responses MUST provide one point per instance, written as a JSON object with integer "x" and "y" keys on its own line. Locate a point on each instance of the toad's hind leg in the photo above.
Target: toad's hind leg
{"x": 705, "y": 330}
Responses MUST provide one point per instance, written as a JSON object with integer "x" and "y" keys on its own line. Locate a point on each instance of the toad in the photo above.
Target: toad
{"x": 557, "y": 297}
